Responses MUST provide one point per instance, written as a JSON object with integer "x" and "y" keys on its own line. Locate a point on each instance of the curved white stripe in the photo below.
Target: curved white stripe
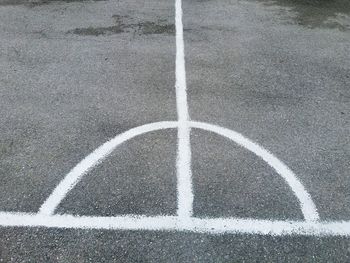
{"x": 308, "y": 207}
{"x": 74, "y": 176}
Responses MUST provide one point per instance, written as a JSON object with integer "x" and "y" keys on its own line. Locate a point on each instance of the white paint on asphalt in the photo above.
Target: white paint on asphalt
{"x": 183, "y": 164}
{"x": 175, "y": 223}
{"x": 75, "y": 175}
{"x": 184, "y": 221}
{"x": 307, "y": 206}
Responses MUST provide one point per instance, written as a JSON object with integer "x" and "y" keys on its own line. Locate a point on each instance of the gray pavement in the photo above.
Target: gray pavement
{"x": 74, "y": 74}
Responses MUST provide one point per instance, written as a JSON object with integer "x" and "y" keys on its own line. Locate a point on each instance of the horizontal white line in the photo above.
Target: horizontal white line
{"x": 174, "y": 223}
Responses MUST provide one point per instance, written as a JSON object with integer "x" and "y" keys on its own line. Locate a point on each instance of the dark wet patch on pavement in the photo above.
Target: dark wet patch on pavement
{"x": 318, "y": 13}
{"x": 33, "y": 3}
{"x": 148, "y": 27}
{"x": 123, "y": 25}
{"x": 96, "y": 31}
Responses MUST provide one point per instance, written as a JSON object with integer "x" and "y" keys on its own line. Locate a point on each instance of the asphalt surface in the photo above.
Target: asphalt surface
{"x": 74, "y": 74}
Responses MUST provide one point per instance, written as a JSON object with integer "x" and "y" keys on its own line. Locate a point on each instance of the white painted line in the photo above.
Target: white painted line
{"x": 94, "y": 158}
{"x": 174, "y": 223}
{"x": 183, "y": 164}
{"x": 308, "y": 207}
{"x": 180, "y": 85}
{"x": 184, "y": 220}
{"x": 184, "y": 175}
{"x": 185, "y": 200}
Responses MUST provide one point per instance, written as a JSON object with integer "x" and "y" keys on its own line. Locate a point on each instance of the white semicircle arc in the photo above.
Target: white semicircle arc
{"x": 94, "y": 158}
{"x": 307, "y": 206}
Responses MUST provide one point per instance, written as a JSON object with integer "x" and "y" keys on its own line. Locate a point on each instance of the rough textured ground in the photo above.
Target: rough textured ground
{"x": 74, "y": 74}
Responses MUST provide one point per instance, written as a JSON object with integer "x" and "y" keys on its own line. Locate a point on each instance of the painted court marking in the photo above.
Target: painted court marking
{"x": 184, "y": 221}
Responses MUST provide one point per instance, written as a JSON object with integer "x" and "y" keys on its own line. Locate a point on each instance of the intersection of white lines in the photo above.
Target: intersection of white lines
{"x": 183, "y": 221}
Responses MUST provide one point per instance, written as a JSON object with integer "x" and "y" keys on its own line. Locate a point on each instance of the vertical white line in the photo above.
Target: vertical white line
{"x": 183, "y": 165}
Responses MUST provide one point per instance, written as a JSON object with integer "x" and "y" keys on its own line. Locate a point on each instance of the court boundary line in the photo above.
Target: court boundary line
{"x": 176, "y": 223}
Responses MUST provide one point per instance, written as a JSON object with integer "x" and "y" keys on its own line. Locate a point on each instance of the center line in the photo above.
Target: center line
{"x": 183, "y": 164}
